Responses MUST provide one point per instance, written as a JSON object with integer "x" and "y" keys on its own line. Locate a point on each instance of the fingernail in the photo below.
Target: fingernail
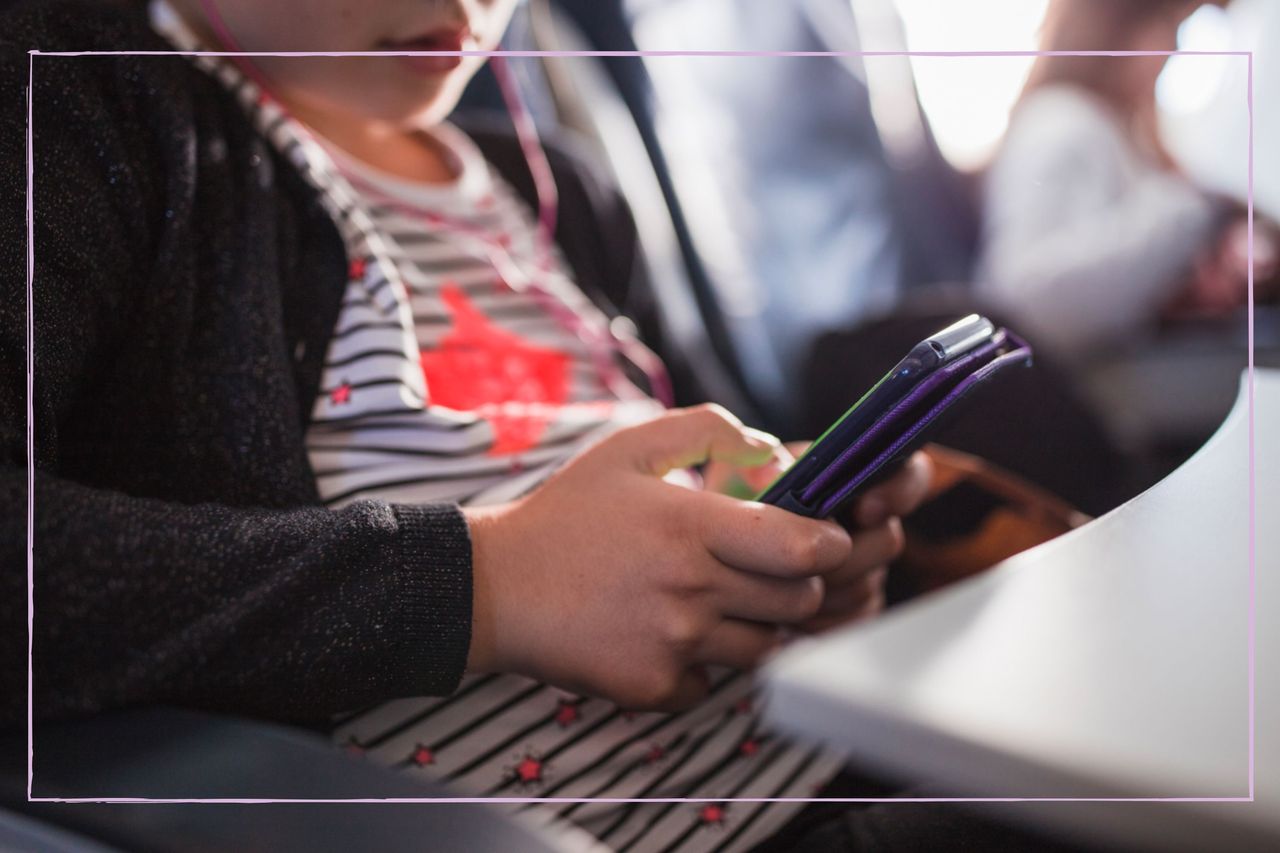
{"x": 760, "y": 438}
{"x": 760, "y": 478}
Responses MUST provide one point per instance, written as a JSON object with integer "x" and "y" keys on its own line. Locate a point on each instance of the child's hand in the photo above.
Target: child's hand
{"x": 611, "y": 582}
{"x": 855, "y": 590}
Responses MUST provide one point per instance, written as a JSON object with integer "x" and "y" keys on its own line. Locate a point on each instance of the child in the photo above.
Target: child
{"x": 287, "y": 322}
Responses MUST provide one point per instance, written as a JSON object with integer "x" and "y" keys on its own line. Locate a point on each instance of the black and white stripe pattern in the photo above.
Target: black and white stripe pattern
{"x": 376, "y": 433}
{"x": 416, "y": 450}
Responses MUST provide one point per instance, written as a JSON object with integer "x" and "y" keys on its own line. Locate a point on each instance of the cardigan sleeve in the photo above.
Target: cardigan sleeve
{"x": 285, "y": 613}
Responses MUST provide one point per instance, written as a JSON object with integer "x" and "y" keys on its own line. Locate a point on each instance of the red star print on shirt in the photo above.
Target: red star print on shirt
{"x": 712, "y": 813}
{"x": 529, "y": 770}
{"x": 422, "y": 756}
{"x": 355, "y": 270}
{"x": 341, "y": 395}
{"x": 749, "y": 747}
{"x": 479, "y": 367}
{"x": 655, "y": 754}
{"x": 568, "y": 713}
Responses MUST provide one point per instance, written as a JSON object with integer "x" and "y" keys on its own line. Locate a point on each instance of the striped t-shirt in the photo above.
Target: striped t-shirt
{"x": 456, "y": 385}
{"x": 445, "y": 380}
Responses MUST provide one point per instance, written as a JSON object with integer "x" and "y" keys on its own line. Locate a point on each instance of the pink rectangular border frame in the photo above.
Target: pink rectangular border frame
{"x": 30, "y": 338}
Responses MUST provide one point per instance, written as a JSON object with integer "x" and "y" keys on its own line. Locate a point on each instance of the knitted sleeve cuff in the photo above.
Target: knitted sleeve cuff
{"x": 429, "y": 565}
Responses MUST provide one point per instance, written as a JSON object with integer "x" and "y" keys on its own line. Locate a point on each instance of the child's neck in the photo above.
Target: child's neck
{"x": 410, "y": 154}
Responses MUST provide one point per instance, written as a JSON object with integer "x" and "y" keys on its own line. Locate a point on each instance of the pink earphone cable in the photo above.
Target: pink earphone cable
{"x": 228, "y": 42}
{"x": 535, "y": 155}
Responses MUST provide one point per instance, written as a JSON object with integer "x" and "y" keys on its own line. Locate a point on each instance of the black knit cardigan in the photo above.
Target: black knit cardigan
{"x": 186, "y": 284}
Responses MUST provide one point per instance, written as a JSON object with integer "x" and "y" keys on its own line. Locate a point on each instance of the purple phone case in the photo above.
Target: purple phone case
{"x": 965, "y": 373}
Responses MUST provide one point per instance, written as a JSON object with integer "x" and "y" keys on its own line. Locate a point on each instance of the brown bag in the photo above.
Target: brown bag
{"x": 975, "y": 515}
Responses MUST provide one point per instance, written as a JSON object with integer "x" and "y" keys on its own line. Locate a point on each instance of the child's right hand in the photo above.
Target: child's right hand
{"x": 610, "y": 582}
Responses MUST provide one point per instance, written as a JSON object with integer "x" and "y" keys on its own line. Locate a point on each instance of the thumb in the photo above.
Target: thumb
{"x": 687, "y": 437}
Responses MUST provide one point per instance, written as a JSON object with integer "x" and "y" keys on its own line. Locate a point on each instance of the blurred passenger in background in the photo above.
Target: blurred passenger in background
{"x": 812, "y": 216}
{"x": 826, "y": 213}
{"x": 1092, "y": 234}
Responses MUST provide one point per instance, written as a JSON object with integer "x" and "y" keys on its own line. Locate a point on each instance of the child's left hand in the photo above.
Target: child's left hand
{"x": 856, "y": 589}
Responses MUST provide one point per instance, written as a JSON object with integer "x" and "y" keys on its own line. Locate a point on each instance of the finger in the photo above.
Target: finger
{"x": 871, "y": 548}
{"x": 898, "y": 495}
{"x": 754, "y": 537}
{"x": 861, "y": 606}
{"x": 745, "y": 482}
{"x": 688, "y": 437}
{"x": 828, "y": 621}
{"x": 796, "y": 449}
{"x": 761, "y": 477}
{"x": 855, "y": 598}
{"x": 738, "y": 644}
{"x": 692, "y": 687}
{"x": 762, "y": 598}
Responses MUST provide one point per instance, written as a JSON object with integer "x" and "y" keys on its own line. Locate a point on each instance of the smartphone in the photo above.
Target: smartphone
{"x": 895, "y": 417}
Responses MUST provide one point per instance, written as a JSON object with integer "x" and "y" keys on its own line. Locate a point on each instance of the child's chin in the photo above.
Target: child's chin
{"x": 427, "y": 100}
{"x": 418, "y": 109}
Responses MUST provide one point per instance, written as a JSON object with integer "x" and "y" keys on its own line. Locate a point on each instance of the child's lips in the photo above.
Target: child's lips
{"x": 437, "y": 40}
